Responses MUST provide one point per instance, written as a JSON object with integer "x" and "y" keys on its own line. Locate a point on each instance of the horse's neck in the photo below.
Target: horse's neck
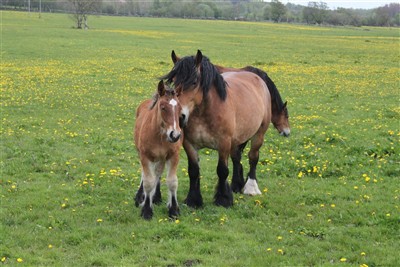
{"x": 274, "y": 107}
{"x": 153, "y": 121}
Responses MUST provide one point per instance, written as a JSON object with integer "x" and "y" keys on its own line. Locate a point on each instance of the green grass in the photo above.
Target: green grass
{"x": 69, "y": 169}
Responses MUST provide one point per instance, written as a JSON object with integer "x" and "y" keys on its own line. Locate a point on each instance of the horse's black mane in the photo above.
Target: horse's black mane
{"x": 275, "y": 96}
{"x": 185, "y": 74}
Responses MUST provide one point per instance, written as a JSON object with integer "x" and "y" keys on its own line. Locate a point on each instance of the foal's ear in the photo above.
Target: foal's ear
{"x": 161, "y": 88}
{"x": 178, "y": 91}
{"x": 284, "y": 105}
{"x": 174, "y": 57}
{"x": 199, "y": 58}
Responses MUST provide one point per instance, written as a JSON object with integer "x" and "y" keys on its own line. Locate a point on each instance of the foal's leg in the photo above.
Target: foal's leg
{"x": 251, "y": 186}
{"x": 149, "y": 187}
{"x": 159, "y": 168}
{"x": 194, "y": 198}
{"x": 157, "y": 195}
{"x": 172, "y": 183}
{"x": 223, "y": 195}
{"x": 237, "y": 175}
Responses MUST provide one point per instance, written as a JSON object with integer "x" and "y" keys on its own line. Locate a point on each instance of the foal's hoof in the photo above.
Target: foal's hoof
{"x": 139, "y": 198}
{"x": 147, "y": 214}
{"x": 157, "y": 199}
{"x": 173, "y": 213}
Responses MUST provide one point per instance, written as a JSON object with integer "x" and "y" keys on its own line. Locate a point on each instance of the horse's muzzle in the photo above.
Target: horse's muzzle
{"x": 285, "y": 132}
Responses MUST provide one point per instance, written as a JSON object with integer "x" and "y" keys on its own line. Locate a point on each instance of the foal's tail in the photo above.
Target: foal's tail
{"x": 275, "y": 96}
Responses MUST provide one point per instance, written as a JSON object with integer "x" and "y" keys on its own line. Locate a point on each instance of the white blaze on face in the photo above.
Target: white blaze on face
{"x": 173, "y": 103}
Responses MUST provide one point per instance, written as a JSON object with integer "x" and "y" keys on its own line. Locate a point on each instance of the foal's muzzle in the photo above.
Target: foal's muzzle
{"x": 173, "y": 136}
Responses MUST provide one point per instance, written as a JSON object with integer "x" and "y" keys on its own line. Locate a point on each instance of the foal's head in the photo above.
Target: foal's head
{"x": 169, "y": 111}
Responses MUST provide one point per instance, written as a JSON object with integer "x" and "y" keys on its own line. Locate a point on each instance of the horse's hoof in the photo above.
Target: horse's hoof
{"x": 194, "y": 203}
{"x": 225, "y": 202}
{"x": 251, "y": 188}
{"x": 237, "y": 188}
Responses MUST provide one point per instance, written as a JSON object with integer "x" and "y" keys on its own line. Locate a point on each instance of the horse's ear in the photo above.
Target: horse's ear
{"x": 161, "y": 88}
{"x": 199, "y": 58}
{"x": 174, "y": 57}
{"x": 284, "y": 105}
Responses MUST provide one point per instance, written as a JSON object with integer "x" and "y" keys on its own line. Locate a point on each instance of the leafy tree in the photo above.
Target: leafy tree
{"x": 81, "y": 10}
{"x": 278, "y": 10}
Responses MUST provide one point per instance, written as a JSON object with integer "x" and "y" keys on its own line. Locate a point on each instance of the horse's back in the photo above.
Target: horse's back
{"x": 250, "y": 102}
{"x": 247, "y": 88}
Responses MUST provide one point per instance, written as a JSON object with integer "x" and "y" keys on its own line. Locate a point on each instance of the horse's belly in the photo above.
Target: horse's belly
{"x": 247, "y": 124}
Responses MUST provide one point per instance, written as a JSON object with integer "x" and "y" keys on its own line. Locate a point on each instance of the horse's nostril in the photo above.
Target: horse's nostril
{"x": 182, "y": 120}
{"x": 173, "y": 138}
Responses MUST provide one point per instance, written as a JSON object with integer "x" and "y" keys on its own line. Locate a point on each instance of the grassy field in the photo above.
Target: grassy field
{"x": 69, "y": 169}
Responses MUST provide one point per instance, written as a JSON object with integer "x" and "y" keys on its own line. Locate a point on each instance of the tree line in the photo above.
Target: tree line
{"x": 249, "y": 10}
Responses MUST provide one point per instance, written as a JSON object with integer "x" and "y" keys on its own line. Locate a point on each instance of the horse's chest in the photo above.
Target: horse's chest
{"x": 200, "y": 135}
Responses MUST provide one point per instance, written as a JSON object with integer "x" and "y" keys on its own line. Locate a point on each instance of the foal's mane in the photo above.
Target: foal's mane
{"x": 185, "y": 74}
{"x": 275, "y": 96}
{"x": 168, "y": 91}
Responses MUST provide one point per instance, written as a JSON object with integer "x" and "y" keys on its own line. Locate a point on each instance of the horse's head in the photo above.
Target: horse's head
{"x": 281, "y": 121}
{"x": 169, "y": 110}
{"x": 193, "y": 77}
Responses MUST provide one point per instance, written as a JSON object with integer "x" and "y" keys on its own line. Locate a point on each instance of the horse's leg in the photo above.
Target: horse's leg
{"x": 139, "y": 197}
{"x": 194, "y": 198}
{"x": 237, "y": 175}
{"x": 251, "y": 186}
{"x": 172, "y": 183}
{"x": 149, "y": 180}
{"x": 223, "y": 195}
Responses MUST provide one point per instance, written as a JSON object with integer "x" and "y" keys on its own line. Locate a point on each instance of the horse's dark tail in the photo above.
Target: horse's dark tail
{"x": 275, "y": 96}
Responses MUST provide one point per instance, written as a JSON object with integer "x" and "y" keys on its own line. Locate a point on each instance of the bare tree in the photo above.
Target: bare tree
{"x": 81, "y": 10}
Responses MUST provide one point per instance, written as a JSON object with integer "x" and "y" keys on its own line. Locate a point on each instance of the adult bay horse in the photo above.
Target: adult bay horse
{"x": 158, "y": 141}
{"x": 222, "y": 112}
{"x": 278, "y": 107}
